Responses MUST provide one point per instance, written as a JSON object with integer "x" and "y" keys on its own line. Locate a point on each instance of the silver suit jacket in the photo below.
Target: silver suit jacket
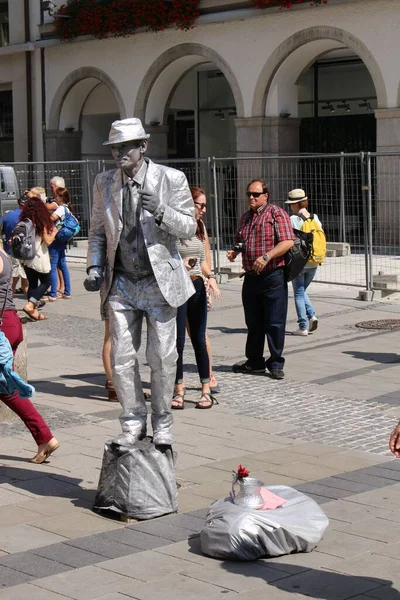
{"x": 178, "y": 221}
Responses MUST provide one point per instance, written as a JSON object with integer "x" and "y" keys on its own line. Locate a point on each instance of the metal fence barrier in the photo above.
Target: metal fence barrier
{"x": 356, "y": 197}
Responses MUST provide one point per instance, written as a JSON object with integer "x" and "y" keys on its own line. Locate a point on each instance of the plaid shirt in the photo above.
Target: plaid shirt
{"x": 260, "y": 231}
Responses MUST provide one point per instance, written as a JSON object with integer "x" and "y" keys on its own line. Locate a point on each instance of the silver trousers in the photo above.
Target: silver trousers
{"x": 129, "y": 302}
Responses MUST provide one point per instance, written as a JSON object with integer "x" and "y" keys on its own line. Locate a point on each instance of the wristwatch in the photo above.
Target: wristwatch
{"x": 266, "y": 257}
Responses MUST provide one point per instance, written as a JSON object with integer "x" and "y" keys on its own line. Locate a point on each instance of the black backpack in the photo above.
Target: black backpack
{"x": 297, "y": 257}
{"x": 22, "y": 240}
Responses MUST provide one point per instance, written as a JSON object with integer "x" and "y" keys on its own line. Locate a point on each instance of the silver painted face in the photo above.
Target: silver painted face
{"x": 128, "y": 155}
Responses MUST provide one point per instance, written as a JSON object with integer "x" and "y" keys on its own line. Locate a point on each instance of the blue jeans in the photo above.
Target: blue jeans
{"x": 304, "y": 308}
{"x": 265, "y": 300}
{"x": 195, "y": 311}
{"x": 58, "y": 259}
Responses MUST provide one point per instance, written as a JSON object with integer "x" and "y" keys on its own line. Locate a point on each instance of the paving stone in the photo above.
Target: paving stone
{"x": 299, "y": 562}
{"x": 362, "y": 477}
{"x": 235, "y": 576}
{"x": 343, "y": 545}
{"x": 189, "y": 501}
{"x": 348, "y": 512}
{"x": 146, "y": 566}
{"x": 31, "y": 564}
{"x": 77, "y": 524}
{"x": 168, "y": 531}
{"x": 19, "y": 538}
{"x": 383, "y": 570}
{"x": 16, "y": 515}
{"x": 173, "y": 587}
{"x": 51, "y": 507}
{"x": 380, "y": 471}
{"x": 385, "y": 497}
{"x": 50, "y": 486}
{"x": 373, "y": 529}
{"x": 189, "y": 550}
{"x": 26, "y": 591}
{"x": 201, "y": 513}
{"x": 103, "y": 546}
{"x": 186, "y": 521}
{"x": 325, "y": 584}
{"x": 137, "y": 539}
{"x": 10, "y": 577}
{"x": 387, "y": 592}
{"x": 305, "y": 471}
{"x": 269, "y": 593}
{"x": 69, "y": 555}
{"x": 393, "y": 465}
{"x": 392, "y": 550}
{"x": 322, "y": 490}
{"x": 82, "y": 584}
{"x": 354, "y": 487}
{"x": 202, "y": 474}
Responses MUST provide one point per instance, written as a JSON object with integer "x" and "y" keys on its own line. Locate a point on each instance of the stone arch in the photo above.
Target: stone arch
{"x": 182, "y": 51}
{"x": 300, "y": 39}
{"x": 70, "y": 81}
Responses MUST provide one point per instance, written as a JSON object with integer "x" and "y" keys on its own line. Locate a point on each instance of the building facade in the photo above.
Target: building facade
{"x": 242, "y": 81}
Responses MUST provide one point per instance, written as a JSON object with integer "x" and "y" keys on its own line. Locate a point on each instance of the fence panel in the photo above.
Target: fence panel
{"x": 384, "y": 193}
{"x": 333, "y": 185}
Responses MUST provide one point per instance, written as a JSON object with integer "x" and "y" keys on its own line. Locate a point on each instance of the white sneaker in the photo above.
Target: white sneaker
{"x": 300, "y": 332}
{"x": 312, "y": 324}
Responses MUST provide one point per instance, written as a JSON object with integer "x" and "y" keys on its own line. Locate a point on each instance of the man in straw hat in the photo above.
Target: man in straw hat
{"x": 139, "y": 211}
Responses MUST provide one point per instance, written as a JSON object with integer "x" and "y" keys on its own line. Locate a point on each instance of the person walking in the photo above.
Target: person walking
{"x": 306, "y": 317}
{"x": 37, "y": 269}
{"x": 11, "y": 218}
{"x": 394, "y": 441}
{"x": 57, "y": 250}
{"x": 194, "y": 311}
{"x": 23, "y": 407}
{"x": 264, "y": 236}
{"x": 140, "y": 209}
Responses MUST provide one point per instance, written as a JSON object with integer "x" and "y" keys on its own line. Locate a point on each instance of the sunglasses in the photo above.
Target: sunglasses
{"x": 201, "y": 206}
{"x": 254, "y": 194}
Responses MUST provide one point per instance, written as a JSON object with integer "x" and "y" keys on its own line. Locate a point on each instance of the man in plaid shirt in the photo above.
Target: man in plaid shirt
{"x": 266, "y": 233}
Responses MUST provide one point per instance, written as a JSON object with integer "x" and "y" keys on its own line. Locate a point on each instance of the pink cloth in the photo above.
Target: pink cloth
{"x": 271, "y": 500}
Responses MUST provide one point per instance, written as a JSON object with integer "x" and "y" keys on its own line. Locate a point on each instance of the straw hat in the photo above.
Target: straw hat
{"x": 295, "y": 196}
{"x": 127, "y": 130}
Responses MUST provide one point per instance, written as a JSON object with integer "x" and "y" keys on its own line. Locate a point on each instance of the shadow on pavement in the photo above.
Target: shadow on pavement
{"x": 312, "y": 583}
{"x": 378, "y": 357}
{"x": 57, "y": 388}
{"x": 48, "y": 485}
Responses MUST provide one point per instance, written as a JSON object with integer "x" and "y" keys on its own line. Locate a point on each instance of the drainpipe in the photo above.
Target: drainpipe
{"x": 28, "y": 82}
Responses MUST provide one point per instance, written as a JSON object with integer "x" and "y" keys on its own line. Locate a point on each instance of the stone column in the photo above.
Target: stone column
{"x": 387, "y": 173}
{"x": 158, "y": 142}
{"x": 62, "y": 145}
{"x": 266, "y": 136}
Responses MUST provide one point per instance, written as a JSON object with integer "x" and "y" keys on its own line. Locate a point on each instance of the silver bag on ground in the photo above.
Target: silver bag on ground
{"x": 236, "y": 533}
{"x": 138, "y": 481}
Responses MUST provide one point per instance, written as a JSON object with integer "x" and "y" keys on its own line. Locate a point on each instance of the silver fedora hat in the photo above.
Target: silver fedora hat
{"x": 126, "y": 130}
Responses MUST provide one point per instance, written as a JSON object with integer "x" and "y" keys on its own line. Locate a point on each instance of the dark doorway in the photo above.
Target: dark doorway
{"x": 328, "y": 135}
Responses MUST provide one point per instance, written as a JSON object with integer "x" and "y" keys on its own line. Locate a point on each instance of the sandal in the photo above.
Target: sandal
{"x": 179, "y": 400}
{"x": 33, "y": 317}
{"x": 209, "y": 401}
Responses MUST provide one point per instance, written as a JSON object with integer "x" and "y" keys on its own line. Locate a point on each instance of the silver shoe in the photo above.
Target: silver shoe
{"x": 162, "y": 439}
{"x": 126, "y": 439}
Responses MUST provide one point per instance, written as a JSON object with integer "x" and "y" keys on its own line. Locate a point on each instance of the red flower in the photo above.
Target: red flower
{"x": 242, "y": 472}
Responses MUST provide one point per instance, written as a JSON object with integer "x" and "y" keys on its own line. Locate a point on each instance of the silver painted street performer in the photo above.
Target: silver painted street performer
{"x": 139, "y": 211}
